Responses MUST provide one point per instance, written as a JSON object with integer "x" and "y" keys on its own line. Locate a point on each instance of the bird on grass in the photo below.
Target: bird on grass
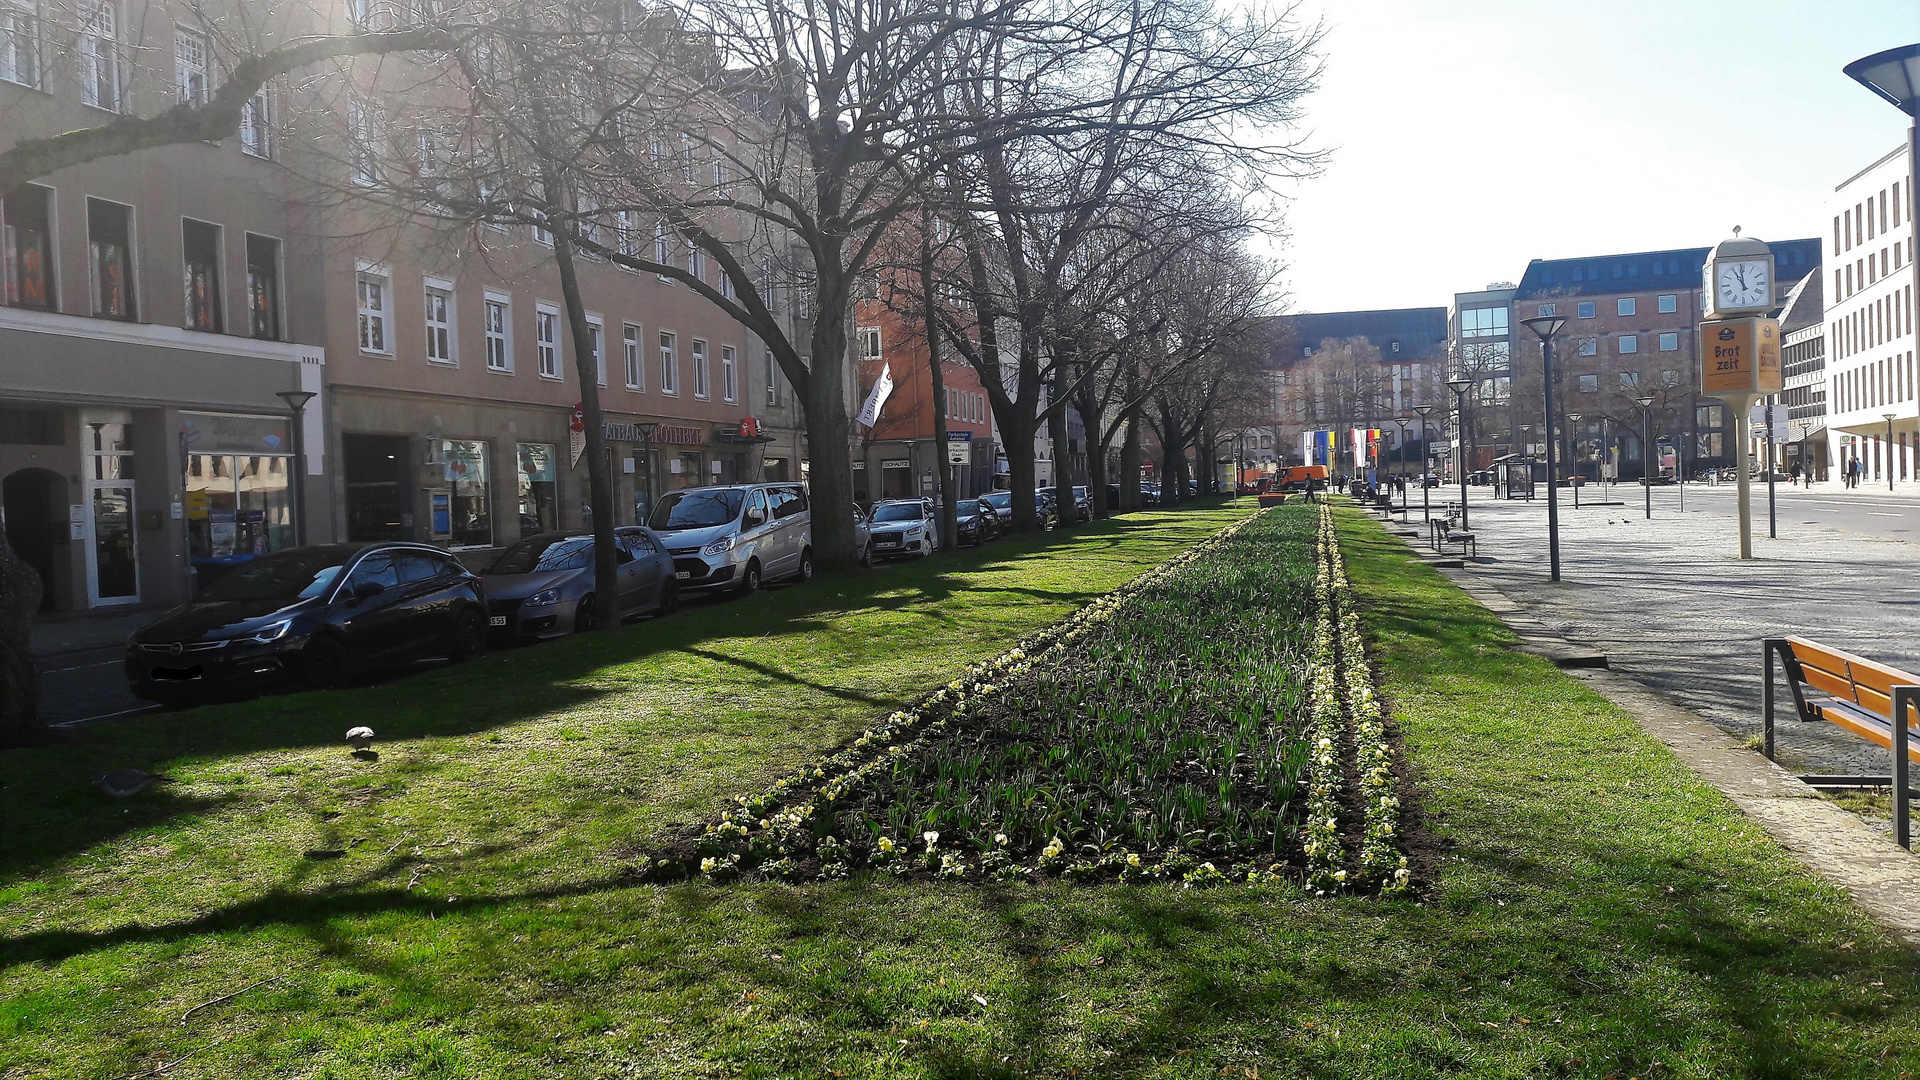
{"x": 361, "y": 739}
{"x": 126, "y": 783}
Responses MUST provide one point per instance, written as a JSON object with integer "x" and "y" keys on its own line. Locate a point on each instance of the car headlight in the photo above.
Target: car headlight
{"x": 271, "y": 632}
{"x": 718, "y": 547}
{"x": 913, "y": 532}
{"x": 542, "y": 598}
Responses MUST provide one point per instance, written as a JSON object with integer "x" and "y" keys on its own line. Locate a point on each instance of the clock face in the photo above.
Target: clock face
{"x": 1743, "y": 285}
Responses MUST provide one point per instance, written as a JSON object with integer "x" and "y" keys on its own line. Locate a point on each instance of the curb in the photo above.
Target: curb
{"x": 1879, "y": 875}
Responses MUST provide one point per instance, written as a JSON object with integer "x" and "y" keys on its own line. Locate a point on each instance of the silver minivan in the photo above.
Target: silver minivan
{"x": 736, "y": 537}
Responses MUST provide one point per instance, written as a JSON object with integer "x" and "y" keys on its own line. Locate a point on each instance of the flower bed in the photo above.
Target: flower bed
{"x": 1163, "y": 732}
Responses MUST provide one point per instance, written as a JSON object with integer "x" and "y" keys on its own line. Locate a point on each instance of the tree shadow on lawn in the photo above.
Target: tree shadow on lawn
{"x": 51, "y": 810}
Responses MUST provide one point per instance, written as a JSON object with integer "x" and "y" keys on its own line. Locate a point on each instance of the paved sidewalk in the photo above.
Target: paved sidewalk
{"x": 1672, "y": 607}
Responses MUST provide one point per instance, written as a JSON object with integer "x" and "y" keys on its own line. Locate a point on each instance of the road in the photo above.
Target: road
{"x": 1872, "y": 512}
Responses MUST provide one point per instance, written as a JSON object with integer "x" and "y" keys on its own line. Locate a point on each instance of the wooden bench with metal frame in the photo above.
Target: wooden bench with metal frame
{"x": 1856, "y": 695}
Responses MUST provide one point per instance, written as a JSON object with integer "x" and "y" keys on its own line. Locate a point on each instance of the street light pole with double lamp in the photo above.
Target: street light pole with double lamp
{"x": 1425, "y": 457}
{"x": 1546, "y": 326}
{"x": 1460, "y": 384}
{"x": 1645, "y": 401}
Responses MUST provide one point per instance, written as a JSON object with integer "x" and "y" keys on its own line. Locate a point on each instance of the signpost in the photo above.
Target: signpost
{"x": 959, "y": 447}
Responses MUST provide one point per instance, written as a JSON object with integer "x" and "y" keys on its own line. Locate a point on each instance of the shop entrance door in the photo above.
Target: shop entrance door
{"x": 113, "y": 571}
{"x": 29, "y": 500}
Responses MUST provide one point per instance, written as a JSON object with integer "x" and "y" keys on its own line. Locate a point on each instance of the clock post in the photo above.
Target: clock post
{"x": 1740, "y": 347}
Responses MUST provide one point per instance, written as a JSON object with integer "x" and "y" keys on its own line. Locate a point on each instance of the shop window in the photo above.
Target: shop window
{"x": 635, "y": 355}
{"x": 539, "y": 501}
{"x": 439, "y": 314}
{"x": 263, "y": 287}
{"x": 689, "y": 469}
{"x": 372, "y": 301}
{"x": 461, "y": 514}
{"x": 375, "y": 469}
{"x": 729, "y": 380}
{"x": 237, "y": 506}
{"x": 701, "y": 389}
{"x": 498, "y": 319}
{"x": 546, "y": 340}
{"x": 200, "y": 247}
{"x": 27, "y": 239}
{"x": 669, "y": 363}
{"x": 20, "y": 43}
{"x": 110, "y": 258}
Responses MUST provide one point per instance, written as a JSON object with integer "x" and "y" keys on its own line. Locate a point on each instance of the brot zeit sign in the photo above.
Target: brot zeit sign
{"x": 1739, "y": 358}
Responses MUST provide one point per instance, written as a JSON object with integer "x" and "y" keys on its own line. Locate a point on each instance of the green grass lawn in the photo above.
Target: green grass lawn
{"x": 1599, "y": 910}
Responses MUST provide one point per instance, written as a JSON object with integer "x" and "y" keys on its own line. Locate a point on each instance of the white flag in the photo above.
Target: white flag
{"x": 870, "y": 412}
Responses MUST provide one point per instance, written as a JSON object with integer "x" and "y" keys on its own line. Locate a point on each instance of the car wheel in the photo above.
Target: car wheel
{"x": 583, "y": 615}
{"x": 749, "y": 580}
{"x": 866, "y": 555}
{"x": 805, "y": 573}
{"x": 469, "y": 637}
{"x": 669, "y": 597}
{"x": 322, "y": 665}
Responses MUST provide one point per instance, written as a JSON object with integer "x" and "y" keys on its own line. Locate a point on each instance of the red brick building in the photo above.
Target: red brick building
{"x": 899, "y": 457}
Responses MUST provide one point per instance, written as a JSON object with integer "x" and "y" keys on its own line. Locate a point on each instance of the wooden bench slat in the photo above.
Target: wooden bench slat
{"x": 1873, "y": 729}
{"x": 1881, "y": 678}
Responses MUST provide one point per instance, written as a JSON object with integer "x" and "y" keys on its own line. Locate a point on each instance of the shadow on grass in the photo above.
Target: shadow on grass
{"x": 51, "y": 811}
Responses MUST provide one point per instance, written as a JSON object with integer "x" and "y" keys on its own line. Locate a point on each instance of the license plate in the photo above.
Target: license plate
{"x": 683, "y": 574}
{"x": 497, "y": 620}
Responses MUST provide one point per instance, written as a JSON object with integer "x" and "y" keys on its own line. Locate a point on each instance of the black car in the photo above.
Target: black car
{"x": 310, "y": 617}
{"x": 975, "y": 521}
{"x": 1082, "y": 504}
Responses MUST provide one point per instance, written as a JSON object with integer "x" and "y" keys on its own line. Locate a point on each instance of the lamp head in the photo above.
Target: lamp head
{"x": 1544, "y": 325}
{"x": 1423, "y": 410}
{"x": 1575, "y": 417}
{"x": 1643, "y": 400}
{"x": 1460, "y": 384}
{"x": 1893, "y": 75}
{"x": 296, "y": 399}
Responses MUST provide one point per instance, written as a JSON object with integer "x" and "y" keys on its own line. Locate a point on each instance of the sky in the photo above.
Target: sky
{"x": 1467, "y": 137}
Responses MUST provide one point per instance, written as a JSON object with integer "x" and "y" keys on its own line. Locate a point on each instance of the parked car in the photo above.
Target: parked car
{"x": 543, "y": 587}
{"x": 862, "y": 537}
{"x": 1113, "y": 499}
{"x": 1002, "y": 503}
{"x": 975, "y": 521}
{"x": 904, "y": 527}
{"x": 1149, "y": 493}
{"x": 736, "y": 537}
{"x": 1046, "y": 511}
{"x": 309, "y": 617}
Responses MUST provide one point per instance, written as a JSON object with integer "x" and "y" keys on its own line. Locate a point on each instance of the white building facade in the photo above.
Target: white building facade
{"x": 1873, "y": 406}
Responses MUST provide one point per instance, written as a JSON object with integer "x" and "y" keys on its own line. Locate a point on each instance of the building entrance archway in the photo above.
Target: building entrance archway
{"x": 33, "y": 499}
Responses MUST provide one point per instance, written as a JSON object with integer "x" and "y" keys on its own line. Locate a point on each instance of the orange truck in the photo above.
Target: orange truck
{"x": 1295, "y": 477}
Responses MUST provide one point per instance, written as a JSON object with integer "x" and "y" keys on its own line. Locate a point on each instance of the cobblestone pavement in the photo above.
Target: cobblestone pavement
{"x": 1672, "y": 606}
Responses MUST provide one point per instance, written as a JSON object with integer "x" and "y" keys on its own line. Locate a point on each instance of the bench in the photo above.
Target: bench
{"x": 1441, "y": 533}
{"x": 1856, "y": 695}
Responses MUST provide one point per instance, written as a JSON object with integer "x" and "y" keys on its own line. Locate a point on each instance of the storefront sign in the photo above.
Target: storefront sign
{"x": 577, "y": 434}
{"x": 1740, "y": 357}
{"x": 680, "y": 436}
{"x": 617, "y": 432}
{"x": 216, "y": 433}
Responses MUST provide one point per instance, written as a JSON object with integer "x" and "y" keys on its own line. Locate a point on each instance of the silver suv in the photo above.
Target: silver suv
{"x": 904, "y": 527}
{"x": 736, "y": 537}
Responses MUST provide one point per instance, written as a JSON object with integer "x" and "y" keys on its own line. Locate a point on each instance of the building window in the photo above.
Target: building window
{"x": 1589, "y": 346}
{"x": 541, "y": 234}
{"x": 662, "y": 248}
{"x": 700, "y": 388}
{"x": 20, "y": 43}
{"x": 1586, "y": 309}
{"x": 190, "y": 65}
{"x": 597, "y": 342}
{"x": 101, "y": 71}
{"x": 635, "y": 357}
{"x": 1589, "y": 384}
{"x": 25, "y": 223}
{"x": 439, "y": 322}
{"x": 110, "y": 258}
{"x": 1546, "y": 310}
{"x": 497, "y": 320}
{"x": 729, "y": 380}
{"x": 256, "y": 124}
{"x": 696, "y": 263}
{"x": 1669, "y": 342}
{"x": 669, "y": 363}
{"x": 1481, "y": 322}
{"x": 539, "y": 502}
{"x": 626, "y": 236}
{"x": 362, "y": 160}
{"x": 869, "y": 343}
{"x": 263, "y": 287}
{"x": 373, "y": 312}
{"x": 1306, "y": 351}
{"x": 1624, "y": 306}
{"x": 773, "y": 381}
{"x": 1628, "y": 343}
{"x": 546, "y": 340}
{"x": 200, "y": 247}
{"x": 1629, "y": 382}
{"x": 1669, "y": 303}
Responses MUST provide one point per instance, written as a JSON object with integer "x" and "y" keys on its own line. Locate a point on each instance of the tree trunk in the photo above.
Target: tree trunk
{"x": 20, "y": 587}
{"x": 829, "y": 453}
{"x": 1096, "y": 455}
{"x": 949, "y": 496}
{"x": 606, "y": 567}
{"x": 1062, "y": 447}
{"x": 1130, "y": 458}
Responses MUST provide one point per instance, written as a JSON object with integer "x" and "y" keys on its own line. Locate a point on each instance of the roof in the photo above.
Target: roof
{"x": 1421, "y": 332}
{"x": 1804, "y": 305}
{"x": 1642, "y": 271}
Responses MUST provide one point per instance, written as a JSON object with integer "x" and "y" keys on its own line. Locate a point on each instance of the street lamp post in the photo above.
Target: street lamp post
{"x": 1546, "y": 326}
{"x": 1403, "y": 422}
{"x": 297, "y": 401}
{"x": 1425, "y": 457}
{"x": 1645, "y": 401}
{"x": 1573, "y": 458}
{"x": 1888, "y": 456}
{"x": 1460, "y": 384}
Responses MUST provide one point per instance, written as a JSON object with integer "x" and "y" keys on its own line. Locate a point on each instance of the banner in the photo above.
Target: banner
{"x": 577, "y": 434}
{"x": 882, "y": 389}
{"x": 1365, "y": 445}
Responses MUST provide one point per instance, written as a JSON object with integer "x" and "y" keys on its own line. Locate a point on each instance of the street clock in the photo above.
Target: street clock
{"x": 1738, "y": 278}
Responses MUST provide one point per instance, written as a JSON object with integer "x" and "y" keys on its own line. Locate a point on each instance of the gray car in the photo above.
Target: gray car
{"x": 732, "y": 538}
{"x": 904, "y": 527}
{"x": 862, "y": 537}
{"x": 542, "y": 587}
